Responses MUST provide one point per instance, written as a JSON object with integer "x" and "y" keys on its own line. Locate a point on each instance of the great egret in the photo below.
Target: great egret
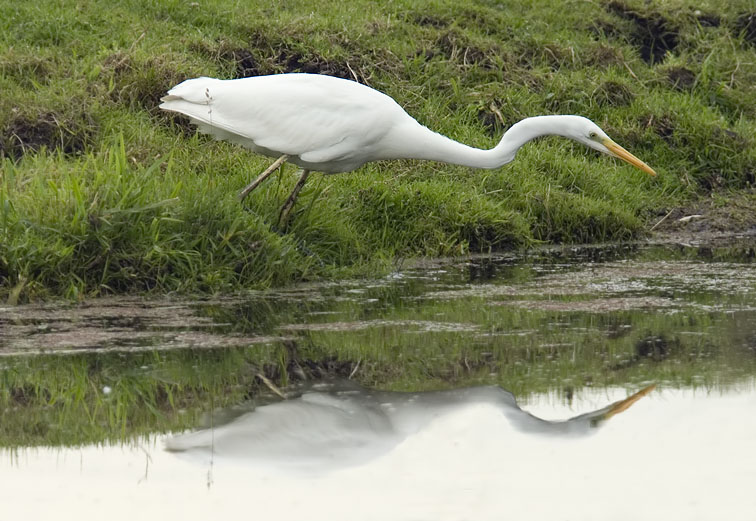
{"x": 340, "y": 423}
{"x": 333, "y": 125}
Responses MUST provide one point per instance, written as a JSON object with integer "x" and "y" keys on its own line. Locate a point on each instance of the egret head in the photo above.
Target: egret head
{"x": 587, "y": 132}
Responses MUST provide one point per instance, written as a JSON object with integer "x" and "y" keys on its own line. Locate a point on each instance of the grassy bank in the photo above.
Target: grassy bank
{"x": 103, "y": 193}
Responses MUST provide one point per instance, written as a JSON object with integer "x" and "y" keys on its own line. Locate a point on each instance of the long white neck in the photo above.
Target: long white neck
{"x": 418, "y": 142}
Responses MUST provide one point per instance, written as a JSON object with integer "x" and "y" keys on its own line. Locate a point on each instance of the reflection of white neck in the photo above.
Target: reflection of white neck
{"x": 414, "y": 141}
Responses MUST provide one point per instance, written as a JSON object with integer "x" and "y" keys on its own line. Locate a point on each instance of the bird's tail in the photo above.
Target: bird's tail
{"x": 196, "y": 90}
{"x": 194, "y": 98}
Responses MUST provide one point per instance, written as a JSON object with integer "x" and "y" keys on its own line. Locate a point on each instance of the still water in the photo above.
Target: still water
{"x": 482, "y": 388}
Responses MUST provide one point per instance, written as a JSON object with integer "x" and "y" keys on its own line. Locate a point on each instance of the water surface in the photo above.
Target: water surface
{"x": 92, "y": 393}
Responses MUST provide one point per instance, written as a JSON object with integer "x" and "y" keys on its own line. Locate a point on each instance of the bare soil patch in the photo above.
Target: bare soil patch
{"x": 707, "y": 218}
{"x": 653, "y": 34}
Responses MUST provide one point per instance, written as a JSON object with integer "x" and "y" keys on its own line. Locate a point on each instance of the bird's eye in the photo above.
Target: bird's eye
{"x": 592, "y": 135}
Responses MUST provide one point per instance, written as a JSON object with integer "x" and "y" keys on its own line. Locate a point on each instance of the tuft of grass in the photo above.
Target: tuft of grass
{"x": 111, "y": 226}
{"x": 103, "y": 193}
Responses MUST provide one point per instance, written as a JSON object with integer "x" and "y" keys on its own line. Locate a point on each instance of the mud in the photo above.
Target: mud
{"x": 245, "y": 62}
{"x": 653, "y": 34}
{"x": 456, "y": 47}
{"x": 428, "y": 20}
{"x": 123, "y": 324}
{"x": 681, "y": 78}
{"x": 142, "y": 82}
{"x": 292, "y": 61}
{"x": 266, "y": 56}
{"x": 419, "y": 326}
{"x": 745, "y": 26}
{"x": 491, "y": 122}
{"x": 708, "y": 19}
{"x": 615, "y": 286}
{"x": 604, "y": 56}
{"x": 597, "y": 305}
{"x": 716, "y": 219}
{"x": 663, "y": 126}
{"x": 613, "y": 93}
{"x": 24, "y": 133}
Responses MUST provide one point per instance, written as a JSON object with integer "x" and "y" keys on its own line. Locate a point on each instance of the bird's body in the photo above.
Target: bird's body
{"x": 341, "y": 423}
{"x": 322, "y": 123}
{"x": 332, "y": 125}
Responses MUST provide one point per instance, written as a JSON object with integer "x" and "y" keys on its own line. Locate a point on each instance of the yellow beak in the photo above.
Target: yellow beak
{"x": 618, "y": 151}
{"x": 623, "y": 405}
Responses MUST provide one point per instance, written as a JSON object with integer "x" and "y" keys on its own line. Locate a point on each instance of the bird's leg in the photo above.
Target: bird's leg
{"x": 272, "y": 168}
{"x": 289, "y": 204}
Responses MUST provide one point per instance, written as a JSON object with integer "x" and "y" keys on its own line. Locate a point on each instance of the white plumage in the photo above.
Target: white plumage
{"x": 339, "y": 423}
{"x": 331, "y": 125}
{"x": 322, "y": 123}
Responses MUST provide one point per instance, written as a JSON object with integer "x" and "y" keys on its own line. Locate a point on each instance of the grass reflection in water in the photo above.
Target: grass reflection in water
{"x": 558, "y": 321}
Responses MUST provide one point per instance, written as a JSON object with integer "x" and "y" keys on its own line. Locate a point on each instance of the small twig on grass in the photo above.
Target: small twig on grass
{"x": 630, "y": 70}
{"x": 128, "y": 52}
{"x": 662, "y": 219}
{"x": 271, "y": 385}
{"x": 497, "y": 112}
{"x": 354, "y": 74}
{"x": 356, "y": 366}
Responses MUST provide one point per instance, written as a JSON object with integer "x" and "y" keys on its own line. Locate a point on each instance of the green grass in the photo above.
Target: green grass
{"x": 86, "y": 399}
{"x": 102, "y": 193}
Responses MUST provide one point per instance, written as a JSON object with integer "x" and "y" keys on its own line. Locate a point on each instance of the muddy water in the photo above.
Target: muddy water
{"x": 92, "y": 394}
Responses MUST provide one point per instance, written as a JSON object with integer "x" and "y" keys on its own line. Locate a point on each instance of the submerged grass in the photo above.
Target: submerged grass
{"x": 102, "y": 193}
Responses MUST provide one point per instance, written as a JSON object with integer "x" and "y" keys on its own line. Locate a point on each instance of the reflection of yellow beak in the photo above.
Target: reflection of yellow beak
{"x": 618, "y": 151}
{"x": 623, "y": 405}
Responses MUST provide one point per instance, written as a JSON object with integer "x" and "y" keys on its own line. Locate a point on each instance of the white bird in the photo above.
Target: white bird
{"x": 339, "y": 423}
{"x": 332, "y": 125}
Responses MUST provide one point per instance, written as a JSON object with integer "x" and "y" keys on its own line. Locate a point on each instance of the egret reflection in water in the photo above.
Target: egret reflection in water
{"x": 340, "y": 424}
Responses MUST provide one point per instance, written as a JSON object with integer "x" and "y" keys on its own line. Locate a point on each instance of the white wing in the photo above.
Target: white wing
{"x": 331, "y": 123}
